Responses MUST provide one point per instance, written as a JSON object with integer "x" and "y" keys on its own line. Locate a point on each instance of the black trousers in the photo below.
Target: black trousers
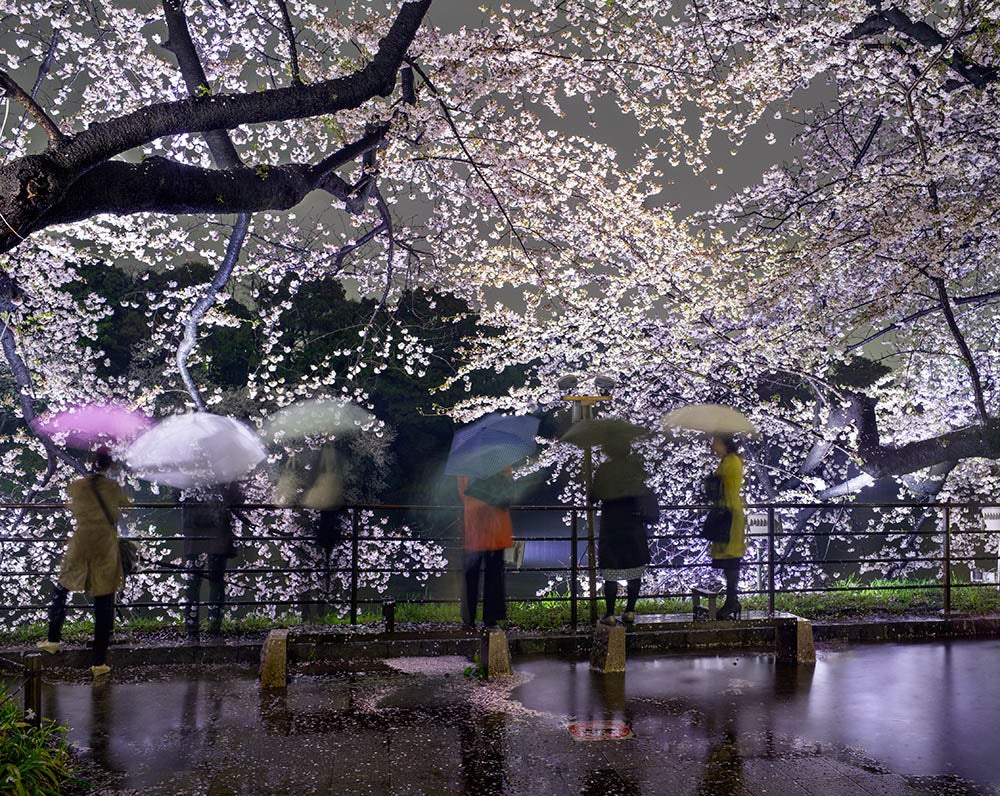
{"x": 104, "y": 619}
{"x": 491, "y": 563}
{"x": 215, "y": 573}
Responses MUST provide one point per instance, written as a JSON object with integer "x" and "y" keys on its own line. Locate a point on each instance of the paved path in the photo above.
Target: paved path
{"x": 885, "y": 720}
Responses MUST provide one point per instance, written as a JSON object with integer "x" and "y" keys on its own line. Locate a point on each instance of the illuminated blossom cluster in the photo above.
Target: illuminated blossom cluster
{"x": 844, "y": 300}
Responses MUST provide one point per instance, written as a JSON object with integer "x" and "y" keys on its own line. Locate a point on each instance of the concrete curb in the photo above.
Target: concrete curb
{"x": 311, "y": 650}
{"x": 909, "y": 629}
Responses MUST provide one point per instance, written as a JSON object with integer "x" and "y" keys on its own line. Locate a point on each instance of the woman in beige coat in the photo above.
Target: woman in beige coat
{"x": 92, "y": 563}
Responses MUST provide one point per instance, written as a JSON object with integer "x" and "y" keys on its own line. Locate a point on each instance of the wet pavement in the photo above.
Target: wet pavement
{"x": 868, "y": 719}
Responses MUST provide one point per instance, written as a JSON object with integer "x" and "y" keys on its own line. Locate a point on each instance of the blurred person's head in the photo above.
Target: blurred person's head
{"x": 618, "y": 448}
{"x": 723, "y": 444}
{"x": 101, "y": 460}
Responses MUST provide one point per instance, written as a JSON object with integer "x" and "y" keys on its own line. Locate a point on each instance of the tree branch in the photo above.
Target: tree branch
{"x": 23, "y": 393}
{"x": 293, "y": 52}
{"x": 920, "y": 314}
{"x": 923, "y": 34}
{"x": 963, "y": 346}
{"x": 204, "y": 304}
{"x": 31, "y": 185}
{"x": 14, "y": 91}
{"x": 180, "y": 43}
{"x": 159, "y": 185}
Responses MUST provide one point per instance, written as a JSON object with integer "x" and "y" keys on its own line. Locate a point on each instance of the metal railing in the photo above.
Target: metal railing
{"x": 30, "y": 674}
{"x": 801, "y": 548}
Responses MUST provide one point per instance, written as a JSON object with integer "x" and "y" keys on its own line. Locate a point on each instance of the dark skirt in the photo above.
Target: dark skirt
{"x": 726, "y": 563}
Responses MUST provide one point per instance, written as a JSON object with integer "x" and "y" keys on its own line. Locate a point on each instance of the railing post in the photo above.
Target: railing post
{"x": 573, "y": 569}
{"x": 588, "y": 469}
{"x": 947, "y": 558}
{"x": 355, "y": 524}
{"x": 33, "y": 688}
{"x": 770, "y": 560}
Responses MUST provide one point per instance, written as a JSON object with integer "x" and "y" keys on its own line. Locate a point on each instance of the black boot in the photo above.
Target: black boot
{"x": 731, "y": 608}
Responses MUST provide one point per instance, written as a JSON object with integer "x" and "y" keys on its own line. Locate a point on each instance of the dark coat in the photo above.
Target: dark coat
{"x": 620, "y": 485}
{"x": 208, "y": 522}
{"x": 623, "y": 543}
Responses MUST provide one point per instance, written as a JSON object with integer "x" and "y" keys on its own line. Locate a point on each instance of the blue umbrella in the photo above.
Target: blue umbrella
{"x": 490, "y": 444}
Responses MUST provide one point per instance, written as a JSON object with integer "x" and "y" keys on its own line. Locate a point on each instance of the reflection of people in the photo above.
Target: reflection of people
{"x": 728, "y": 555}
{"x": 101, "y": 707}
{"x": 488, "y": 532}
{"x": 92, "y": 562}
{"x": 623, "y": 548}
{"x": 207, "y": 519}
{"x": 603, "y": 781}
{"x": 482, "y": 744}
{"x": 723, "y": 771}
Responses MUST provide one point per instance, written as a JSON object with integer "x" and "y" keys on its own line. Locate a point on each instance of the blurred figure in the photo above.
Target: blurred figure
{"x": 207, "y": 520}
{"x": 728, "y": 555}
{"x": 488, "y": 532}
{"x": 92, "y": 562}
{"x": 627, "y": 506}
{"x": 326, "y": 496}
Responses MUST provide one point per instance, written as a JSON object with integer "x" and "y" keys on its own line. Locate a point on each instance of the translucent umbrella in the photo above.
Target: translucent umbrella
{"x": 316, "y": 417}
{"x": 710, "y": 419}
{"x": 87, "y": 425}
{"x": 196, "y": 449}
{"x": 490, "y": 444}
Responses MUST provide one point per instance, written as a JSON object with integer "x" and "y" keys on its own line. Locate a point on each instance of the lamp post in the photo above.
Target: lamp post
{"x": 583, "y": 409}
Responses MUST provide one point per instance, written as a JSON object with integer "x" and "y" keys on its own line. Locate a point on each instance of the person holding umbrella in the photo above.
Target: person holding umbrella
{"x": 488, "y": 531}
{"x": 482, "y": 455}
{"x": 92, "y": 562}
{"x": 207, "y": 519}
{"x": 727, "y": 555}
{"x": 627, "y": 506}
{"x": 722, "y": 423}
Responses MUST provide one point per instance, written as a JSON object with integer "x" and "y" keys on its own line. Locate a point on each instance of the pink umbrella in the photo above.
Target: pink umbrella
{"x": 86, "y": 425}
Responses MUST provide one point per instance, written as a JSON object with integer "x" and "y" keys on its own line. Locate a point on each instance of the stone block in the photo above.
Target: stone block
{"x": 793, "y": 640}
{"x": 274, "y": 660}
{"x": 607, "y": 654}
{"x": 699, "y": 612}
{"x": 494, "y": 654}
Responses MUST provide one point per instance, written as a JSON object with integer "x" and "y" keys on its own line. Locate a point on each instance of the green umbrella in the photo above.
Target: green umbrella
{"x": 603, "y": 432}
{"x": 319, "y": 417}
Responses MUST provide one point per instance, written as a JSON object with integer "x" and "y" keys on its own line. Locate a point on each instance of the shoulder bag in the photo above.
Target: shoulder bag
{"x": 719, "y": 519}
{"x": 128, "y": 551}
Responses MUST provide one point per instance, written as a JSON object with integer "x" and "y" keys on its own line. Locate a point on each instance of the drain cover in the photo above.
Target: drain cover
{"x": 600, "y": 731}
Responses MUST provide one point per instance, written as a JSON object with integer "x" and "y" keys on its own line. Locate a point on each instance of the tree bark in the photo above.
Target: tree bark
{"x": 32, "y": 187}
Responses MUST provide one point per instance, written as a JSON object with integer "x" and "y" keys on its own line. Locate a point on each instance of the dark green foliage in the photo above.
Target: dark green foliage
{"x": 320, "y": 331}
{"x": 34, "y": 761}
{"x": 858, "y": 373}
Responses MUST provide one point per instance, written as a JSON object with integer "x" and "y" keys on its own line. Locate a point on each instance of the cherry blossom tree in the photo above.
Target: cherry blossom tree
{"x": 845, "y": 302}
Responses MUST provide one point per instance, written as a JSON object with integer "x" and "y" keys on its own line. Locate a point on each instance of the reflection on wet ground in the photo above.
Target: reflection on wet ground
{"x": 886, "y": 719}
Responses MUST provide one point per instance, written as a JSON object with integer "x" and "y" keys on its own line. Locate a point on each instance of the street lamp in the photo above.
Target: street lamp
{"x": 583, "y": 409}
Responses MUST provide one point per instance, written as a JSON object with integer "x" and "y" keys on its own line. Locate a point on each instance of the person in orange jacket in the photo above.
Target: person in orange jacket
{"x": 488, "y": 532}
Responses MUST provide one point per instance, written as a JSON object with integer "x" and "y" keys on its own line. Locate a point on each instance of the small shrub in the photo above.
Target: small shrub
{"x": 34, "y": 761}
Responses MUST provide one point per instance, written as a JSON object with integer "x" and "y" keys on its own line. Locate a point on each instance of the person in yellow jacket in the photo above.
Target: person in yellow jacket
{"x": 728, "y": 555}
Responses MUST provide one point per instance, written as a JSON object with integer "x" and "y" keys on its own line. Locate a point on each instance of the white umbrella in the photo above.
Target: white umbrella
{"x": 195, "y": 450}
{"x": 316, "y": 417}
{"x": 709, "y": 418}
